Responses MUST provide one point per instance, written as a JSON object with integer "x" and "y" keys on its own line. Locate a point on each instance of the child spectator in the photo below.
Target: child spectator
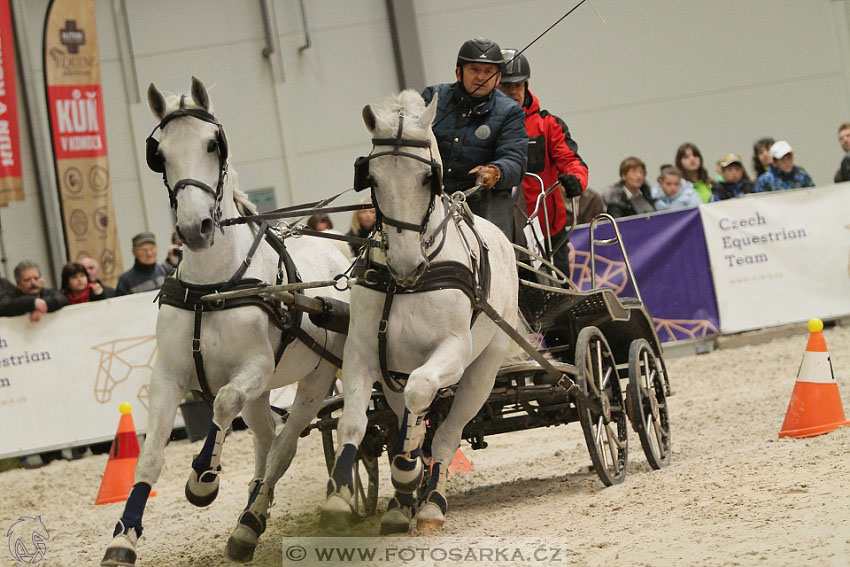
{"x": 734, "y": 181}
{"x": 761, "y": 155}
{"x": 77, "y": 287}
{"x": 783, "y": 174}
{"x": 689, "y": 161}
{"x": 631, "y": 195}
{"x": 673, "y": 192}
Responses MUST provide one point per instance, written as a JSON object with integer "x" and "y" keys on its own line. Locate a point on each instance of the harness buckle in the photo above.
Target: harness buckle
{"x": 196, "y": 345}
{"x": 382, "y": 327}
{"x": 367, "y": 279}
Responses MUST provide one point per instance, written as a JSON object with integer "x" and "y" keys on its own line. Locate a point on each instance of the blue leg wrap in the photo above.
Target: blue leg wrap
{"x": 134, "y": 508}
{"x": 202, "y": 462}
{"x": 343, "y": 474}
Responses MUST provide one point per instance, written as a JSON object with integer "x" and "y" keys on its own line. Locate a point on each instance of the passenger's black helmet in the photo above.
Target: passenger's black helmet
{"x": 480, "y": 50}
{"x": 516, "y": 68}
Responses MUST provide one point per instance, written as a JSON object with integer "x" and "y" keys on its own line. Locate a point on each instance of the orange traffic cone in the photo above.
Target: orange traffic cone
{"x": 120, "y": 469}
{"x": 460, "y": 464}
{"x": 815, "y": 406}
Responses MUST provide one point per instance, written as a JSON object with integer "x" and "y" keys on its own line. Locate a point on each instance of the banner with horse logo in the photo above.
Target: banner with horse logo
{"x": 11, "y": 179}
{"x": 78, "y": 129}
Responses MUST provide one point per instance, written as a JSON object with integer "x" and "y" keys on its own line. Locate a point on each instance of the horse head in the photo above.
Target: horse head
{"x": 191, "y": 154}
{"x": 404, "y": 172}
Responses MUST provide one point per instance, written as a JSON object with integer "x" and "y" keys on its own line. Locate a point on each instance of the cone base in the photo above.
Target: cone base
{"x": 813, "y": 431}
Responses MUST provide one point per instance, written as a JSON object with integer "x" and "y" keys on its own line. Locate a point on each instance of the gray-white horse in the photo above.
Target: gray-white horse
{"x": 417, "y": 310}
{"x": 230, "y": 352}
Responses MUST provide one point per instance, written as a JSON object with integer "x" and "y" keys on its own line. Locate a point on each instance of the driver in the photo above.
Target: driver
{"x": 481, "y": 133}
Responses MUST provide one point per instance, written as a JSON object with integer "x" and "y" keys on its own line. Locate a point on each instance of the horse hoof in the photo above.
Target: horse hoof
{"x": 241, "y": 545}
{"x": 430, "y": 518}
{"x": 395, "y": 522}
{"x": 120, "y": 553}
{"x": 201, "y": 494}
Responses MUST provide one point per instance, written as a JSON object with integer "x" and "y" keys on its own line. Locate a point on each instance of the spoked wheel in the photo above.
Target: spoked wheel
{"x": 605, "y": 431}
{"x": 648, "y": 403}
{"x": 365, "y": 497}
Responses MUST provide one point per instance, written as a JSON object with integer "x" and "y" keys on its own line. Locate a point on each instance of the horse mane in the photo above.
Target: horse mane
{"x": 407, "y": 103}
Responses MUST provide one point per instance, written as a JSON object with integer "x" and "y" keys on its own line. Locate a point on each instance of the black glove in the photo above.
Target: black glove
{"x": 571, "y": 185}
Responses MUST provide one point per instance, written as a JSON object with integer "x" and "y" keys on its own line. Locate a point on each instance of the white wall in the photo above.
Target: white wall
{"x": 657, "y": 73}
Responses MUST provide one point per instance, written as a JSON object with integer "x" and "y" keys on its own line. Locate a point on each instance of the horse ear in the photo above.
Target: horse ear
{"x": 156, "y": 101}
{"x": 427, "y": 117}
{"x": 199, "y": 93}
{"x": 369, "y": 118}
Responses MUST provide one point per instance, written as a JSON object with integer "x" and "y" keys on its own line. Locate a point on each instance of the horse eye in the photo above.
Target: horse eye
{"x": 212, "y": 146}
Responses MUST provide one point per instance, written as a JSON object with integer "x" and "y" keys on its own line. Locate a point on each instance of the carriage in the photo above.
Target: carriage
{"x": 606, "y": 344}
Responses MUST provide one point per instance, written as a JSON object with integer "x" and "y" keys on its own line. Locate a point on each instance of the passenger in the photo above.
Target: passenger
{"x": 30, "y": 295}
{"x": 673, "y": 192}
{"x": 77, "y": 286}
{"x": 783, "y": 174}
{"x": 631, "y": 195}
{"x": 362, "y": 224}
{"x": 146, "y": 274}
{"x": 481, "y": 133}
{"x": 689, "y": 161}
{"x": 551, "y": 152}
{"x": 734, "y": 182}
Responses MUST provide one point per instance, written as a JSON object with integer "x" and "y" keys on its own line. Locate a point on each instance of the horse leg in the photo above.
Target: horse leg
{"x": 202, "y": 486}
{"x": 473, "y": 390}
{"x": 252, "y": 522}
{"x": 357, "y": 391}
{"x": 164, "y": 397}
{"x": 407, "y": 470}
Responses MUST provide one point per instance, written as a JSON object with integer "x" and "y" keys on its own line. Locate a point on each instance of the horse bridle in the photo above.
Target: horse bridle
{"x": 363, "y": 180}
{"x": 157, "y": 163}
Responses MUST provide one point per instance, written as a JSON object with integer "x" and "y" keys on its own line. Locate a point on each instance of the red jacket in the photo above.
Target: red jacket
{"x": 551, "y": 152}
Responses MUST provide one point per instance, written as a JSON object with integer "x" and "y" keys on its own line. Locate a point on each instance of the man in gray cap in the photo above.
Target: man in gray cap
{"x": 146, "y": 274}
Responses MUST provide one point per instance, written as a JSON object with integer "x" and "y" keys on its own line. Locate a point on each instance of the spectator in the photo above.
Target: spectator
{"x": 631, "y": 195}
{"x": 734, "y": 181}
{"x": 589, "y": 205}
{"x": 30, "y": 295}
{"x": 689, "y": 161}
{"x": 77, "y": 286}
{"x": 93, "y": 270}
{"x": 320, "y": 222}
{"x": 362, "y": 223}
{"x": 843, "y": 173}
{"x": 146, "y": 274}
{"x": 761, "y": 155}
{"x": 175, "y": 251}
{"x": 783, "y": 174}
{"x": 551, "y": 152}
{"x": 6, "y": 287}
{"x": 481, "y": 133}
{"x": 673, "y": 192}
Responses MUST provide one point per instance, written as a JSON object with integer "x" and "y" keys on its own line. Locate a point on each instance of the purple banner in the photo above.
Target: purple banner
{"x": 670, "y": 262}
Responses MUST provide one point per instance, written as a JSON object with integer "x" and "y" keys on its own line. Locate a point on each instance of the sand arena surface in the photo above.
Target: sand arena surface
{"x": 733, "y": 494}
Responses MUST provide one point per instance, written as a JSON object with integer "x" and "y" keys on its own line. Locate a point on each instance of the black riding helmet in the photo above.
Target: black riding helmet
{"x": 480, "y": 50}
{"x": 516, "y": 68}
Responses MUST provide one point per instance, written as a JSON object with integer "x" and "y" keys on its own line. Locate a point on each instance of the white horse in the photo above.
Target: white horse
{"x": 237, "y": 346}
{"x": 434, "y": 336}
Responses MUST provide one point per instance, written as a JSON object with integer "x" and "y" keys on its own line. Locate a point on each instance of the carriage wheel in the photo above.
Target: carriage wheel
{"x": 648, "y": 403}
{"x": 605, "y": 432}
{"x": 365, "y": 497}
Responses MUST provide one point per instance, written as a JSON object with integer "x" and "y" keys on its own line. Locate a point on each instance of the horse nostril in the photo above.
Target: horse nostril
{"x": 207, "y": 226}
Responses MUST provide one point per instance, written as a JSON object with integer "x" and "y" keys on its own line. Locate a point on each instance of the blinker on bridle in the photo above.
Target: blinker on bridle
{"x": 157, "y": 164}
{"x": 362, "y": 179}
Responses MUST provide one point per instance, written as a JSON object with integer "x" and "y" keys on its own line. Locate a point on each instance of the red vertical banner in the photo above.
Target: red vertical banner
{"x": 78, "y": 130}
{"x": 11, "y": 180}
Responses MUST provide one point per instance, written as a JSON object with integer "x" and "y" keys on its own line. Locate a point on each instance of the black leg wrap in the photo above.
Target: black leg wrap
{"x": 134, "y": 509}
{"x": 432, "y": 495}
{"x": 402, "y": 500}
{"x": 204, "y": 458}
{"x": 257, "y": 524}
{"x": 343, "y": 474}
